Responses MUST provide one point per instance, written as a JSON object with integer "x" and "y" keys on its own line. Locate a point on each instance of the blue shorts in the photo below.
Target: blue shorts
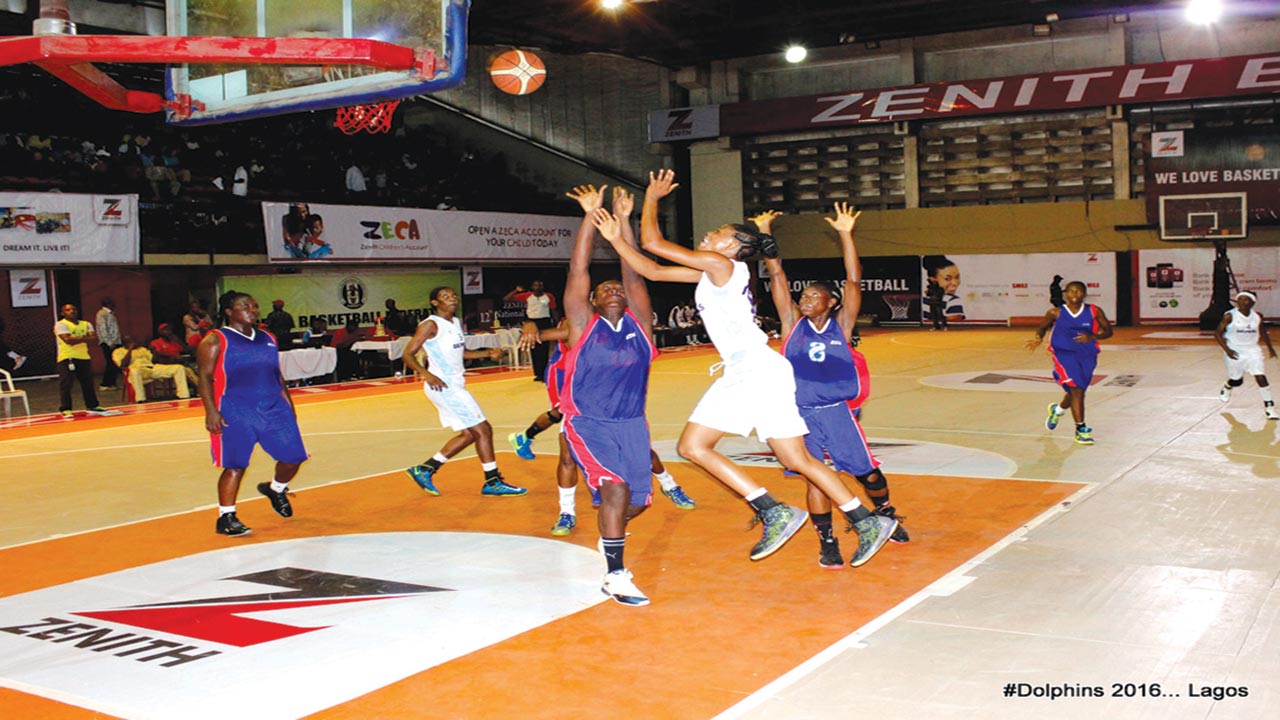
{"x": 270, "y": 424}
{"x": 1073, "y": 369}
{"x": 616, "y": 452}
{"x": 835, "y": 430}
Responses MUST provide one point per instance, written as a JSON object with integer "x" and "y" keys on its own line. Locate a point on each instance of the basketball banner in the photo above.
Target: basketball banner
{"x": 1175, "y": 285}
{"x": 995, "y": 288}
{"x": 310, "y": 232}
{"x": 890, "y": 285}
{"x": 1216, "y": 161}
{"x": 68, "y": 229}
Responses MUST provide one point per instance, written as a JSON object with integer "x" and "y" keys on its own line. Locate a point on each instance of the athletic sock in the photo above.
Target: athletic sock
{"x": 822, "y": 523}
{"x": 435, "y": 462}
{"x": 1080, "y": 426}
{"x": 613, "y": 548}
{"x": 760, "y": 500}
{"x": 666, "y": 481}
{"x": 279, "y": 487}
{"x": 491, "y": 474}
{"x": 1266, "y": 394}
{"x": 854, "y": 511}
{"x": 224, "y": 509}
{"x": 567, "y": 502}
{"x": 532, "y": 431}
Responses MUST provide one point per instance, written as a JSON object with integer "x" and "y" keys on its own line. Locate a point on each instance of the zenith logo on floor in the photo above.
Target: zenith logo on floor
{"x": 217, "y": 619}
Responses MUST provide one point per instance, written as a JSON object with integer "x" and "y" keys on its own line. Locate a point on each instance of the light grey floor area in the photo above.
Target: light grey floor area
{"x": 1162, "y": 572}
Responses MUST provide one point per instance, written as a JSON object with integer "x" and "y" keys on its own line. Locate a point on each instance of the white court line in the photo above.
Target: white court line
{"x": 942, "y": 587}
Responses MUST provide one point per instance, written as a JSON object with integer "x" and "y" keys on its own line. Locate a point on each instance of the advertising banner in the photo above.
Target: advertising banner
{"x": 339, "y": 297}
{"x": 28, "y": 289}
{"x": 890, "y": 284}
{"x": 68, "y": 229}
{"x": 1217, "y": 160}
{"x": 994, "y": 288}
{"x": 302, "y": 232}
{"x": 1175, "y": 285}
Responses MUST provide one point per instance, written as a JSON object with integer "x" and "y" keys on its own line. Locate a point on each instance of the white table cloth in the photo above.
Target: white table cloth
{"x": 308, "y": 362}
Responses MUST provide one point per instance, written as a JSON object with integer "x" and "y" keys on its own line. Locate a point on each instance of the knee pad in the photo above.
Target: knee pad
{"x": 873, "y": 481}
{"x": 1235, "y": 383}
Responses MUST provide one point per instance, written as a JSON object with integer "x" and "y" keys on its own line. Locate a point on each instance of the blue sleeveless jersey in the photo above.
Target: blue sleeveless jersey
{"x": 1066, "y": 327}
{"x": 828, "y": 370}
{"x": 607, "y": 371}
{"x": 248, "y": 370}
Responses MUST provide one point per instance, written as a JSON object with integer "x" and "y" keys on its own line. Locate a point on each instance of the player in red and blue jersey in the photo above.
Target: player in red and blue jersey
{"x": 832, "y": 380}
{"x": 246, "y": 404}
{"x": 1076, "y": 328}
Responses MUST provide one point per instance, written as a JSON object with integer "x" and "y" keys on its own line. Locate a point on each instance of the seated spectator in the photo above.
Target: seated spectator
{"x": 136, "y": 362}
{"x": 205, "y": 327}
{"x": 343, "y": 339}
{"x": 317, "y": 335}
{"x": 167, "y": 349}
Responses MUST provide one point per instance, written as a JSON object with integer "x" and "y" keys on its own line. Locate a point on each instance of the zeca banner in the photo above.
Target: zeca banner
{"x": 302, "y": 232}
{"x": 67, "y": 229}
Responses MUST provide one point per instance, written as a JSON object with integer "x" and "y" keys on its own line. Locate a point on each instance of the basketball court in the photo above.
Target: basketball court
{"x": 377, "y": 600}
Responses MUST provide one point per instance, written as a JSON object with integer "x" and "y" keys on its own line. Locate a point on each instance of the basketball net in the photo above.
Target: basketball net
{"x": 375, "y": 118}
{"x": 899, "y": 305}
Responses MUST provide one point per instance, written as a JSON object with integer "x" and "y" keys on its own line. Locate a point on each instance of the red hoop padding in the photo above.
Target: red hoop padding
{"x": 375, "y": 118}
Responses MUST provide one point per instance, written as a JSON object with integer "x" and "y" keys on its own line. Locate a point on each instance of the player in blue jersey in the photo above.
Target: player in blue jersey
{"x": 831, "y": 379}
{"x": 606, "y": 383}
{"x": 445, "y": 385}
{"x": 1076, "y": 328}
{"x": 246, "y": 403}
{"x": 757, "y": 391}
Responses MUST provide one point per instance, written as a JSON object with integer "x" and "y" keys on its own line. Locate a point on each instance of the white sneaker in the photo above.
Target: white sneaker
{"x": 1224, "y": 394}
{"x": 19, "y": 362}
{"x": 1271, "y": 412}
{"x": 619, "y": 586}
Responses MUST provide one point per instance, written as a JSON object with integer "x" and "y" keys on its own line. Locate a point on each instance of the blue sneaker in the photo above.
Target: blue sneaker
{"x": 522, "y": 445}
{"x": 679, "y": 498}
{"x": 421, "y": 474}
{"x": 1084, "y": 435}
{"x": 1051, "y": 422}
{"x": 564, "y": 525}
{"x": 497, "y": 487}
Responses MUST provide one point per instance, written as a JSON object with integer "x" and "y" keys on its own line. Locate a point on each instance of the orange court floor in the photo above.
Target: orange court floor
{"x": 1034, "y": 563}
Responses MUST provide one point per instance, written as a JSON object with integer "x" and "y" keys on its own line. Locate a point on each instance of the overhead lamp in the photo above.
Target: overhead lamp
{"x": 1041, "y": 30}
{"x": 1051, "y": 17}
{"x": 795, "y": 54}
{"x": 1204, "y": 12}
{"x": 610, "y": 4}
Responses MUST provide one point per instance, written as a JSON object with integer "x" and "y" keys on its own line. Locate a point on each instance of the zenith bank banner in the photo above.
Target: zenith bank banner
{"x": 339, "y": 297}
{"x": 890, "y": 285}
{"x": 1177, "y": 285}
{"x": 302, "y": 232}
{"x": 64, "y": 228}
{"x": 1095, "y": 87}
{"x": 1221, "y": 160}
{"x": 994, "y": 288}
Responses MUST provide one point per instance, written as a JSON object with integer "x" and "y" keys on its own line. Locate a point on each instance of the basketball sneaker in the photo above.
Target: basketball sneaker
{"x": 230, "y": 525}
{"x": 498, "y": 487}
{"x": 780, "y": 523}
{"x": 1270, "y": 409}
{"x": 899, "y": 533}
{"x": 620, "y": 587}
{"x": 679, "y": 498}
{"x": 279, "y": 500}
{"x": 829, "y": 557}
{"x": 1084, "y": 435}
{"x": 1225, "y": 394}
{"x": 422, "y": 475}
{"x": 873, "y": 532}
{"x": 522, "y": 445}
{"x": 68, "y": 414}
{"x": 1055, "y": 414}
{"x": 564, "y": 525}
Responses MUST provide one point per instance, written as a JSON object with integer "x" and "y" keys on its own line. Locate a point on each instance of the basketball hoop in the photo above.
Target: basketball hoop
{"x": 373, "y": 119}
{"x": 899, "y": 306}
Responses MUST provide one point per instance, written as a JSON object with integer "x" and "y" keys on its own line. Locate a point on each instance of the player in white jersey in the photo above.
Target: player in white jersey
{"x": 757, "y": 390}
{"x": 1238, "y": 334}
{"x": 445, "y": 385}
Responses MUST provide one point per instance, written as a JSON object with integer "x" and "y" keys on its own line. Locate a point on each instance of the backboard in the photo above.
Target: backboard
{"x": 1217, "y": 216}
{"x": 435, "y": 30}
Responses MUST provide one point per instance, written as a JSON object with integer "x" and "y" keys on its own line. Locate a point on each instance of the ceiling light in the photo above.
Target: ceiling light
{"x": 796, "y": 53}
{"x": 1041, "y": 30}
{"x": 610, "y": 4}
{"x": 1051, "y": 18}
{"x": 1204, "y": 12}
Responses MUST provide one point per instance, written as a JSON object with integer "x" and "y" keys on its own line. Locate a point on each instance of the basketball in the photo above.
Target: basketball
{"x": 517, "y": 72}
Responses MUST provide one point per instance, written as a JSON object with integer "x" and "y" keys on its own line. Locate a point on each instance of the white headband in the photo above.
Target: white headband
{"x": 1246, "y": 293}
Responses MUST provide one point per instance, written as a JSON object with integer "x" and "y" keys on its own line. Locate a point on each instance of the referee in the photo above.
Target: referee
{"x": 539, "y": 308}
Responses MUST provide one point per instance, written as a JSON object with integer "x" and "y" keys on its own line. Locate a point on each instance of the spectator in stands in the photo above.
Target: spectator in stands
{"x": 355, "y": 180}
{"x": 139, "y": 368}
{"x": 166, "y": 348}
{"x": 240, "y": 182}
{"x": 206, "y": 327}
{"x": 280, "y": 324}
{"x": 318, "y": 334}
{"x": 191, "y": 321}
{"x": 108, "y": 330}
{"x": 396, "y": 321}
{"x": 343, "y": 339}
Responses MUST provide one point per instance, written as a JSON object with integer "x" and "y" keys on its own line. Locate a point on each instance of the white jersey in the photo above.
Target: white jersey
{"x": 729, "y": 314}
{"x": 444, "y": 351}
{"x": 1242, "y": 332}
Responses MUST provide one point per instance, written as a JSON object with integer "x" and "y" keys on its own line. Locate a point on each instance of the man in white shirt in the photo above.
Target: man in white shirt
{"x": 540, "y": 307}
{"x": 108, "y": 329}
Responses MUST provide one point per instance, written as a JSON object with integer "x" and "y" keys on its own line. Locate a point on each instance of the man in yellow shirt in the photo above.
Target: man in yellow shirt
{"x": 74, "y": 336}
{"x": 137, "y": 363}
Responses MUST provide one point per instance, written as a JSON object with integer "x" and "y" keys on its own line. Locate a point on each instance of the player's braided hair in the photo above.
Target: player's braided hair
{"x": 225, "y": 301}
{"x": 753, "y": 242}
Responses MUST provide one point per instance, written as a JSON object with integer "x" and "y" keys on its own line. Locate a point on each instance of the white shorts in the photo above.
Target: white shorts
{"x": 1247, "y": 362}
{"x": 757, "y": 392}
{"x": 458, "y": 408}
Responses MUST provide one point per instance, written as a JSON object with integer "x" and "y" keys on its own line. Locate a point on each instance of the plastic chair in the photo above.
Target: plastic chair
{"x": 509, "y": 342}
{"x": 8, "y": 392}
